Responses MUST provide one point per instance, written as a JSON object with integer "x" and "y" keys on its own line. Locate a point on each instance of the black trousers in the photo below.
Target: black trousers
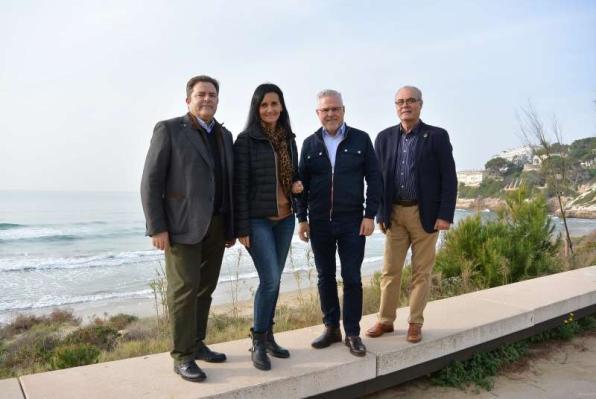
{"x": 341, "y": 235}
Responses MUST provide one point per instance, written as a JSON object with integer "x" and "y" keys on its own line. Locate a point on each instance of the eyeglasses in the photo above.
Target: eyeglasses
{"x": 407, "y": 101}
{"x": 330, "y": 110}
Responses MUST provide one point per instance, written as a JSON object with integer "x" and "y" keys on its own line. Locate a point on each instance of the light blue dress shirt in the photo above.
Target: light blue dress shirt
{"x": 207, "y": 126}
{"x": 332, "y": 142}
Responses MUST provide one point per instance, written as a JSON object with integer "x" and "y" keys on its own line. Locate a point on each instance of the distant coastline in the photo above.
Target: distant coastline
{"x": 493, "y": 204}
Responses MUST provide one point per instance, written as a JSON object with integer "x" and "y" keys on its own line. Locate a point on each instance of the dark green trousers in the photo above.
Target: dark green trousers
{"x": 192, "y": 272}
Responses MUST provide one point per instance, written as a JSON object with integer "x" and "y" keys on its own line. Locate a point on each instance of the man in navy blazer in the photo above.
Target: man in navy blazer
{"x": 420, "y": 190}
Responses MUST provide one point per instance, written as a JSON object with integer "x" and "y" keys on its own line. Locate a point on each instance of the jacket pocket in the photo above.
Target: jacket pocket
{"x": 350, "y": 159}
{"x": 177, "y": 214}
{"x": 317, "y": 162}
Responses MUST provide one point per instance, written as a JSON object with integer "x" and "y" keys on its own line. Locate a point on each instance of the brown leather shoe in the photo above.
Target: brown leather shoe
{"x": 379, "y": 329}
{"x": 414, "y": 333}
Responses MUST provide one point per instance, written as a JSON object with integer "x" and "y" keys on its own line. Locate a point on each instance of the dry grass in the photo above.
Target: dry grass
{"x": 585, "y": 252}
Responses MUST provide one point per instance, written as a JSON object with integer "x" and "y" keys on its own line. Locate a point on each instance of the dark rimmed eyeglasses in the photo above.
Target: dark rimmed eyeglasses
{"x": 330, "y": 110}
{"x": 407, "y": 101}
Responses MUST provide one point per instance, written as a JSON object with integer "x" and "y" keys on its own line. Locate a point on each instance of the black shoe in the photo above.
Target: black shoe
{"x": 356, "y": 346}
{"x": 189, "y": 371}
{"x": 273, "y": 348}
{"x": 206, "y": 354}
{"x": 259, "y": 352}
{"x": 330, "y": 336}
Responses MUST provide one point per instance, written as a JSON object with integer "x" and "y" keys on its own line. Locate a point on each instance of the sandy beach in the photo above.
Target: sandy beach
{"x": 292, "y": 286}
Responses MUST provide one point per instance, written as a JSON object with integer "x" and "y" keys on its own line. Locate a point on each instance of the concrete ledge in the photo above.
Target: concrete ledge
{"x": 451, "y": 325}
{"x": 455, "y": 328}
{"x": 10, "y": 389}
{"x": 306, "y": 373}
{"x": 547, "y": 297}
{"x": 464, "y": 321}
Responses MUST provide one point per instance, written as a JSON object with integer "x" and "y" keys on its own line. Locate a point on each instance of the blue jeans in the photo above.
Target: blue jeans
{"x": 269, "y": 245}
{"x": 325, "y": 237}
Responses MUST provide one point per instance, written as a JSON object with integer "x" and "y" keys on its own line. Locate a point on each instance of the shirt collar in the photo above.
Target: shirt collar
{"x": 339, "y": 134}
{"x": 414, "y": 130}
{"x": 207, "y": 126}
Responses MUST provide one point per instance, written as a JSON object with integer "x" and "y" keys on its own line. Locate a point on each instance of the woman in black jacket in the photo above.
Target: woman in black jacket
{"x": 265, "y": 178}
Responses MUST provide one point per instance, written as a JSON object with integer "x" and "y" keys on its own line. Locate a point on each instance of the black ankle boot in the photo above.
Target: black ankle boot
{"x": 259, "y": 352}
{"x": 273, "y": 348}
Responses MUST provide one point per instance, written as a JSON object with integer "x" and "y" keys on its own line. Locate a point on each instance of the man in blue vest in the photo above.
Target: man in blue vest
{"x": 420, "y": 185}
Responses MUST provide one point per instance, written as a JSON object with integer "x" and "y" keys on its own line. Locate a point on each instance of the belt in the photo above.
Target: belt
{"x": 405, "y": 202}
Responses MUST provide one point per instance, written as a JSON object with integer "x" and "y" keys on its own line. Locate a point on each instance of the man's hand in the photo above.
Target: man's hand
{"x": 304, "y": 231}
{"x": 297, "y": 187}
{"x": 230, "y": 243}
{"x": 383, "y": 228}
{"x": 367, "y": 227}
{"x": 245, "y": 241}
{"x": 161, "y": 240}
{"x": 441, "y": 224}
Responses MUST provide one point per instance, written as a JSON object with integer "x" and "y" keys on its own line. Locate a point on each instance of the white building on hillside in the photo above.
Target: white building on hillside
{"x": 471, "y": 178}
{"x": 520, "y": 156}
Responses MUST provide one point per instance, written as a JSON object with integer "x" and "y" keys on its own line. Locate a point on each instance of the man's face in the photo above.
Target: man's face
{"x": 203, "y": 100}
{"x": 331, "y": 113}
{"x": 408, "y": 105}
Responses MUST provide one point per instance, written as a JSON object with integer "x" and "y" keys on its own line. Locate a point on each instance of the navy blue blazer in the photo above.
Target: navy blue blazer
{"x": 435, "y": 174}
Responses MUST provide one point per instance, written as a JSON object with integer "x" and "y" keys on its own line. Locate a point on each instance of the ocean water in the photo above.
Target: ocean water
{"x": 66, "y": 248}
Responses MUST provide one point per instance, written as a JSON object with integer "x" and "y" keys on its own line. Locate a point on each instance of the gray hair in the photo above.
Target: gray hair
{"x": 330, "y": 93}
{"x": 413, "y": 88}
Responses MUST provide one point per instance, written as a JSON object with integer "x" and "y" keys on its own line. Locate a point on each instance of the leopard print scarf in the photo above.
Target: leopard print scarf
{"x": 277, "y": 137}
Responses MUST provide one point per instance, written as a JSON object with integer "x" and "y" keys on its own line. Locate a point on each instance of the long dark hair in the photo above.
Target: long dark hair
{"x": 254, "y": 119}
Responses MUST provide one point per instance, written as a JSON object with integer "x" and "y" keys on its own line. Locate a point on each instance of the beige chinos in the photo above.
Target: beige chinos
{"x": 406, "y": 230}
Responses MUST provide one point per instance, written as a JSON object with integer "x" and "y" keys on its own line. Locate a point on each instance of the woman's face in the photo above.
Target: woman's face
{"x": 270, "y": 109}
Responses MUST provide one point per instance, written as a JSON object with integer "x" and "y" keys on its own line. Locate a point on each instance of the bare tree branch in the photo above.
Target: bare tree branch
{"x": 534, "y": 134}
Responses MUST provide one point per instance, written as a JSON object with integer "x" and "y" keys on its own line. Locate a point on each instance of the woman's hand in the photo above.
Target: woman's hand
{"x": 297, "y": 187}
{"x": 245, "y": 241}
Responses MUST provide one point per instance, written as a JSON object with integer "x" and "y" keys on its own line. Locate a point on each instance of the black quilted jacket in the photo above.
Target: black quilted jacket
{"x": 255, "y": 178}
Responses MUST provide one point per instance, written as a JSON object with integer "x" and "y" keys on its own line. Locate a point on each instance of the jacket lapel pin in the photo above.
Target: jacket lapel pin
{"x": 425, "y": 135}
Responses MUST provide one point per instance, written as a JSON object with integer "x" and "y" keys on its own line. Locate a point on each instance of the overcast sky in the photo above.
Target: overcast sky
{"x": 82, "y": 83}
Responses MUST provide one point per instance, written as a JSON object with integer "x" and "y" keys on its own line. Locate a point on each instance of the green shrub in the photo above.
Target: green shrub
{"x": 20, "y": 324}
{"x": 2, "y": 350}
{"x": 73, "y": 355}
{"x": 517, "y": 245}
{"x": 64, "y": 316}
{"x": 141, "y": 330}
{"x": 30, "y": 349}
{"x": 25, "y": 322}
{"x": 481, "y": 368}
{"x": 101, "y": 336}
{"x": 568, "y": 329}
{"x": 121, "y": 320}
